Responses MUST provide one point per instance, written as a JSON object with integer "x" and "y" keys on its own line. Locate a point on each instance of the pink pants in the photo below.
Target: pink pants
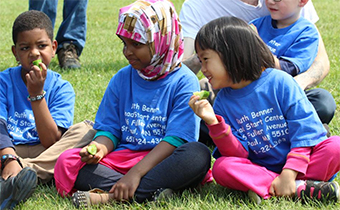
{"x": 241, "y": 174}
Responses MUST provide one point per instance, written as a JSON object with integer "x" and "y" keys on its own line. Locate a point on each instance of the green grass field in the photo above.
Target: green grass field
{"x": 102, "y": 58}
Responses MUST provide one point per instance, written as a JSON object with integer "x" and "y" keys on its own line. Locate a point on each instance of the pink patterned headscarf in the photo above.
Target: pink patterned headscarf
{"x": 156, "y": 23}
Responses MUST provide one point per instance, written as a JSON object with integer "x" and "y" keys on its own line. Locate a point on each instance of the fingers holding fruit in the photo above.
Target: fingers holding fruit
{"x": 197, "y": 97}
{"x": 92, "y": 149}
{"x": 40, "y": 66}
{"x": 202, "y": 107}
{"x": 202, "y": 94}
{"x": 198, "y": 106}
{"x": 36, "y": 77}
{"x": 91, "y": 154}
{"x": 37, "y": 63}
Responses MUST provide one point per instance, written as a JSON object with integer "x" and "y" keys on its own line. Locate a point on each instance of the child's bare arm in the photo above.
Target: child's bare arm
{"x": 317, "y": 71}
{"x": 48, "y": 131}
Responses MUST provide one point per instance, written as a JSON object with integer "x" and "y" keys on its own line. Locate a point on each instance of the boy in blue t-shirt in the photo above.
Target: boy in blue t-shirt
{"x": 36, "y": 108}
{"x": 292, "y": 39}
{"x": 294, "y": 42}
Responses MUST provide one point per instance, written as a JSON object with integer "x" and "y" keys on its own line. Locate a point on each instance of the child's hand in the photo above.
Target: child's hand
{"x": 35, "y": 79}
{"x": 125, "y": 188}
{"x": 11, "y": 169}
{"x": 89, "y": 158}
{"x": 284, "y": 184}
{"x": 203, "y": 109}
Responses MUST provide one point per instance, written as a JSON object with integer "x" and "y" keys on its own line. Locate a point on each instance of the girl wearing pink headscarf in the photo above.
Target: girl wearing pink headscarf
{"x": 146, "y": 134}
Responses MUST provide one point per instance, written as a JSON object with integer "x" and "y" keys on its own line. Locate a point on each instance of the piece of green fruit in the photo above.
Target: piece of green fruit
{"x": 253, "y": 27}
{"x": 36, "y": 63}
{"x": 92, "y": 149}
{"x": 202, "y": 94}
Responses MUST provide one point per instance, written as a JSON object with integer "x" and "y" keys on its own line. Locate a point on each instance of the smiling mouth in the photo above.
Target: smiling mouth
{"x": 132, "y": 61}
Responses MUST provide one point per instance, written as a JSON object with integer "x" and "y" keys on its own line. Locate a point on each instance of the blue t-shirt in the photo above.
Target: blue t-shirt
{"x": 297, "y": 43}
{"x": 16, "y": 110}
{"x": 269, "y": 117}
{"x": 141, "y": 113}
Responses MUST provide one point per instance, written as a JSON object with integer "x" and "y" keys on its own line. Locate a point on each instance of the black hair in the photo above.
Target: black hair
{"x": 240, "y": 48}
{"x": 30, "y": 20}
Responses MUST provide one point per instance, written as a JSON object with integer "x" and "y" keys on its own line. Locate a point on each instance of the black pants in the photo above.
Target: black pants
{"x": 323, "y": 103}
{"x": 185, "y": 168}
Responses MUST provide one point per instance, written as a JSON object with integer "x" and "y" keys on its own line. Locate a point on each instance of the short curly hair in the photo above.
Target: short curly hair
{"x": 30, "y": 20}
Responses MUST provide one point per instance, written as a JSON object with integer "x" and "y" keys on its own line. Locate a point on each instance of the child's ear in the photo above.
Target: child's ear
{"x": 54, "y": 47}
{"x": 14, "y": 51}
{"x": 302, "y": 3}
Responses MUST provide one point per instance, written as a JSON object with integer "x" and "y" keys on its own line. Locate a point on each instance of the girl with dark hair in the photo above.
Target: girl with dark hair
{"x": 269, "y": 139}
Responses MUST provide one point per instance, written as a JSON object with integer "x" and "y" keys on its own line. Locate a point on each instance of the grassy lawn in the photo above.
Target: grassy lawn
{"x": 102, "y": 58}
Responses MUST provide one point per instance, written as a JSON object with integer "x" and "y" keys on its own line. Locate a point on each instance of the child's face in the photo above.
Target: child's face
{"x": 213, "y": 69}
{"x": 285, "y": 11}
{"x": 136, "y": 53}
{"x": 32, "y": 45}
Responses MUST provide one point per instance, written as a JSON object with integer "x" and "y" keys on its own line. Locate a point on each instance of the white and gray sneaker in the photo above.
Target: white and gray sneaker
{"x": 254, "y": 197}
{"x": 163, "y": 194}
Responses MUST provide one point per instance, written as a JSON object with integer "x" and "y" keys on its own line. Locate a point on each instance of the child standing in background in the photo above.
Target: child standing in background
{"x": 146, "y": 134}
{"x": 269, "y": 139}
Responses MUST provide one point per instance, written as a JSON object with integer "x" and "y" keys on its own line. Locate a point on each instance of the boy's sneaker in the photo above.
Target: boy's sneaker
{"x": 68, "y": 57}
{"x": 255, "y": 198}
{"x": 318, "y": 190}
{"x": 17, "y": 189}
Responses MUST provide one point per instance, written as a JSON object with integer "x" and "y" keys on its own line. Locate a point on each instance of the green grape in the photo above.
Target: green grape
{"x": 36, "y": 63}
{"x": 202, "y": 94}
{"x": 92, "y": 149}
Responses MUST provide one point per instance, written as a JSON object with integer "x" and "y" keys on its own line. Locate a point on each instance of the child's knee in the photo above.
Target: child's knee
{"x": 331, "y": 146}
{"x": 221, "y": 170}
{"x": 334, "y": 147}
{"x": 68, "y": 156}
